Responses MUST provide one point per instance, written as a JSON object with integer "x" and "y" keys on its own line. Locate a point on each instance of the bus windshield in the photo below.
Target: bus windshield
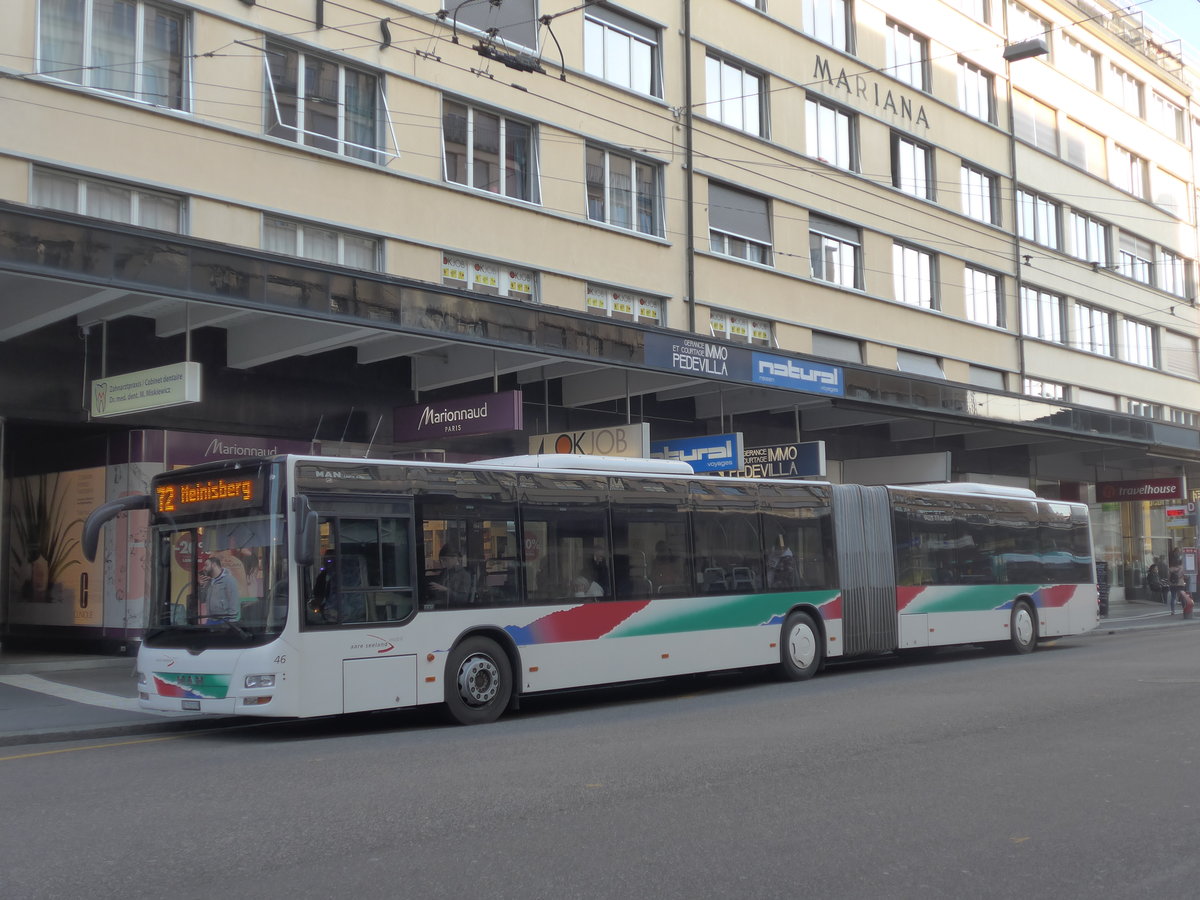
{"x": 224, "y": 579}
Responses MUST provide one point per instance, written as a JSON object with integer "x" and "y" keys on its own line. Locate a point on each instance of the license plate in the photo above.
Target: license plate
{"x": 191, "y": 704}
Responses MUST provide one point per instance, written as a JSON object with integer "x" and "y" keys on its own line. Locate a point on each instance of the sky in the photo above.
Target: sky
{"x": 1180, "y": 17}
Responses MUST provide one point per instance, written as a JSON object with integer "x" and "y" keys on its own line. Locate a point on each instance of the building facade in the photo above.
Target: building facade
{"x": 948, "y": 240}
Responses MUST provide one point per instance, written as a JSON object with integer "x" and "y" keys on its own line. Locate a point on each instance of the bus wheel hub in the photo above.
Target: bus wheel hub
{"x": 478, "y": 680}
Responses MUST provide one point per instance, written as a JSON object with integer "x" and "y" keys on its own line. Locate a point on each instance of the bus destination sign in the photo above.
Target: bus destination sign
{"x": 207, "y": 494}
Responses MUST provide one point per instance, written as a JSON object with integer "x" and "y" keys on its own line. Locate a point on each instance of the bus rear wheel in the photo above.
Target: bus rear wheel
{"x": 1022, "y": 628}
{"x": 800, "y": 654}
{"x": 478, "y": 682}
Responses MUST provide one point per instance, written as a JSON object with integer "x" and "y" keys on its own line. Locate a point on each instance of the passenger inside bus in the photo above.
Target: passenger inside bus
{"x": 452, "y": 585}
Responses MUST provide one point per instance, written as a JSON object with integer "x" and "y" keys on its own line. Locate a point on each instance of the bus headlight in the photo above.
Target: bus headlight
{"x": 260, "y": 681}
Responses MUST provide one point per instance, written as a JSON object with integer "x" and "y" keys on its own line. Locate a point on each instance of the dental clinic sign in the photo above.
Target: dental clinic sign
{"x": 159, "y": 388}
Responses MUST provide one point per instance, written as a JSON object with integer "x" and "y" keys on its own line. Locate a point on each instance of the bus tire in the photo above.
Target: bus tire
{"x": 800, "y": 653}
{"x": 1022, "y": 628}
{"x": 478, "y": 682}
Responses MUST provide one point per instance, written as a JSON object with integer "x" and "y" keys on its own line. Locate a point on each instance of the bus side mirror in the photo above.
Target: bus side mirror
{"x": 102, "y": 515}
{"x": 306, "y": 531}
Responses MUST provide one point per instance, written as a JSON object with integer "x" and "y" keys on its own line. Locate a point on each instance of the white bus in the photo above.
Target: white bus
{"x": 369, "y": 584}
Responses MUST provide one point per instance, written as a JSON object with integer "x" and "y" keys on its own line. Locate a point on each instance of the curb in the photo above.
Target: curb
{"x": 1110, "y": 628}
{"x": 48, "y": 736}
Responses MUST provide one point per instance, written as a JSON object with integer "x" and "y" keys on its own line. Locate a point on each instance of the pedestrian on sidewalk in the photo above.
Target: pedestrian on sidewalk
{"x": 1176, "y": 581}
{"x": 1156, "y": 580}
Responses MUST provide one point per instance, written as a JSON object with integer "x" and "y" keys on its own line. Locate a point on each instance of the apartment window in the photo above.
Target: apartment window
{"x": 1137, "y": 343}
{"x": 623, "y": 191}
{"x": 1085, "y": 148}
{"x": 976, "y": 9}
{"x": 321, "y": 244}
{"x": 976, "y": 92}
{"x": 1093, "y": 329}
{"x": 735, "y": 96}
{"x": 913, "y": 276}
{"x": 487, "y": 277}
{"x": 1129, "y": 172}
{"x": 739, "y": 224}
{"x": 990, "y": 379}
{"x": 1038, "y": 219}
{"x": 1024, "y": 25}
{"x": 985, "y": 303}
{"x": 1135, "y": 258}
{"x": 979, "y": 194}
{"x": 1078, "y": 62}
{"x": 1172, "y": 273}
{"x": 1089, "y": 239}
{"x": 739, "y": 328}
{"x": 489, "y": 151}
{"x": 624, "y": 305}
{"x": 1179, "y": 354}
{"x": 622, "y": 50}
{"x": 1145, "y": 410}
{"x": 1171, "y": 194}
{"x": 834, "y": 346}
{"x": 1035, "y": 122}
{"x": 830, "y": 135}
{"x": 1042, "y": 314}
{"x": 835, "y": 252}
{"x": 320, "y": 103}
{"x": 1168, "y": 117}
{"x": 919, "y": 364}
{"x": 912, "y": 166}
{"x": 829, "y": 21}
{"x": 108, "y": 200}
{"x": 127, "y": 47}
{"x": 1096, "y": 398}
{"x": 908, "y": 56}
{"x": 1125, "y": 91}
{"x": 1047, "y": 390}
{"x": 515, "y": 21}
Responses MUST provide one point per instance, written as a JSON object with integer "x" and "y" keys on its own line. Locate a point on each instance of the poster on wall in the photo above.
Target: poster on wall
{"x": 50, "y": 580}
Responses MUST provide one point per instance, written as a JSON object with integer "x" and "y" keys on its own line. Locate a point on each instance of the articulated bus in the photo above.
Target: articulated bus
{"x": 373, "y": 585}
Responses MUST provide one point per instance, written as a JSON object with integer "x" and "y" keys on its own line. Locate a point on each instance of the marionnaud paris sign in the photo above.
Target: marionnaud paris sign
{"x": 159, "y": 388}
{"x": 481, "y": 414}
{"x": 692, "y": 356}
{"x": 706, "y": 453}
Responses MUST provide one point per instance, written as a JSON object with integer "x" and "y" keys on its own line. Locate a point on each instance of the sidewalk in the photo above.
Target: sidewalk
{"x": 46, "y": 696}
{"x": 64, "y": 697}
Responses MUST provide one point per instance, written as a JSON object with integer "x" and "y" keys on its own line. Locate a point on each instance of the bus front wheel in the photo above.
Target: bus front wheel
{"x": 800, "y": 653}
{"x": 478, "y": 681}
{"x": 1022, "y": 628}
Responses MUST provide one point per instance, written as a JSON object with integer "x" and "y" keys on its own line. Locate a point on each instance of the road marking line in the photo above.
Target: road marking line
{"x": 67, "y": 692}
{"x": 173, "y": 737}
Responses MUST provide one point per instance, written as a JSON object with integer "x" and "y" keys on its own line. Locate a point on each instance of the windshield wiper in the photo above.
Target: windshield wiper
{"x": 235, "y": 627}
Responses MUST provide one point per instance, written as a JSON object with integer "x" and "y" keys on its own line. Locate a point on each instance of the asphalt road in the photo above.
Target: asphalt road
{"x": 1068, "y": 773}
